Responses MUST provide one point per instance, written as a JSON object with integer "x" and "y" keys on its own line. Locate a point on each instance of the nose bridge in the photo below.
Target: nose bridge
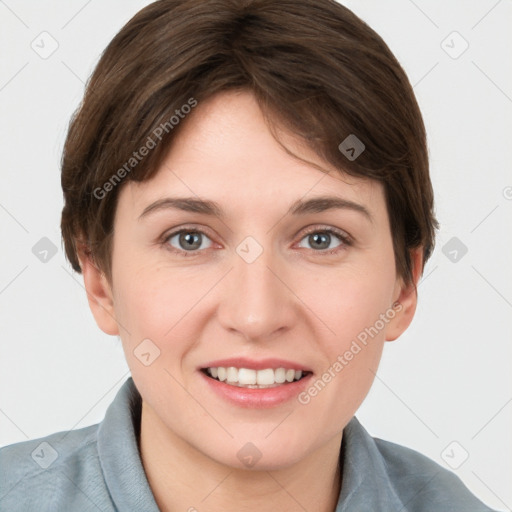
{"x": 258, "y": 302}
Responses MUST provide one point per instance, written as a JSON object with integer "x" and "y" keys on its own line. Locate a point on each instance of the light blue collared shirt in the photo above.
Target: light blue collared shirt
{"x": 98, "y": 468}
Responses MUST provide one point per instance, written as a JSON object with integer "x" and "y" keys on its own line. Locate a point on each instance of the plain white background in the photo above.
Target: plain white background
{"x": 443, "y": 388}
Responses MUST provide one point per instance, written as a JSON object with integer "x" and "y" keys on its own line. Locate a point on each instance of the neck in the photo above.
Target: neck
{"x": 183, "y": 478}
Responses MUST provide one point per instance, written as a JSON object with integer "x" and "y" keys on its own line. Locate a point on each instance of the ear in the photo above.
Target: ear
{"x": 99, "y": 294}
{"x": 405, "y": 299}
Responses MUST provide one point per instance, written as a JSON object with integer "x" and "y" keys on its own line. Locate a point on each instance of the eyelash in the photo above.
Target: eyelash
{"x": 346, "y": 240}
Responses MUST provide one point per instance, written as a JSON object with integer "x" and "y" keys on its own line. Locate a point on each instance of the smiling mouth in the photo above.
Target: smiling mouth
{"x": 255, "y": 379}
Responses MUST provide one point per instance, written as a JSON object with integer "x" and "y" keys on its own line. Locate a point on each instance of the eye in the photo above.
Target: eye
{"x": 191, "y": 241}
{"x": 321, "y": 239}
{"x": 186, "y": 241}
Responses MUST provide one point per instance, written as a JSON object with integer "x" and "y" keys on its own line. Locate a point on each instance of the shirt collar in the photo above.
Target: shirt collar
{"x": 119, "y": 453}
{"x": 365, "y": 481}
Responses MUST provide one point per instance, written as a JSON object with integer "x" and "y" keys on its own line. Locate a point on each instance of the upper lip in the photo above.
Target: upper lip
{"x": 256, "y": 364}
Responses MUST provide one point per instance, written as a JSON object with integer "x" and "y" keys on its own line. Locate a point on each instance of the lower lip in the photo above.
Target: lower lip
{"x": 257, "y": 398}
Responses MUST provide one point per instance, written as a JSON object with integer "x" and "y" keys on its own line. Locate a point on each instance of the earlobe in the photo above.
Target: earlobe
{"x": 99, "y": 294}
{"x": 406, "y": 299}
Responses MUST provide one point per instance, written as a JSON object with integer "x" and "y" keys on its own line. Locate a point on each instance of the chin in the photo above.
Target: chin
{"x": 261, "y": 454}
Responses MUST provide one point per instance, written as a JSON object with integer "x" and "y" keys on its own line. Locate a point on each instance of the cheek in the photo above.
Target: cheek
{"x": 351, "y": 355}
{"x": 357, "y": 309}
{"x": 153, "y": 312}
{"x": 349, "y": 302}
{"x": 154, "y": 302}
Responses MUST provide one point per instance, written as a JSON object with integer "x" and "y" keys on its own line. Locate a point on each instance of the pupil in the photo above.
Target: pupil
{"x": 189, "y": 239}
{"x": 317, "y": 238}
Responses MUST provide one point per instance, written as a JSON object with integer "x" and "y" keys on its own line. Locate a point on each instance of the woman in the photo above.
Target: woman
{"x": 247, "y": 195}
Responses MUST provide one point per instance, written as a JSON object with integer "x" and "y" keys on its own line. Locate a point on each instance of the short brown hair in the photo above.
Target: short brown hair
{"x": 313, "y": 66}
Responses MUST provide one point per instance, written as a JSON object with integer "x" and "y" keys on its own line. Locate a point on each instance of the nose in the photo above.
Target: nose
{"x": 257, "y": 302}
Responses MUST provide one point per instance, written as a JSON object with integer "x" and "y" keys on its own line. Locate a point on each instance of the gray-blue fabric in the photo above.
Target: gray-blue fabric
{"x": 98, "y": 468}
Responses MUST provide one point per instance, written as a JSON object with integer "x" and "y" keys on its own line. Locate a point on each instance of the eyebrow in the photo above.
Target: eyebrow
{"x": 299, "y": 207}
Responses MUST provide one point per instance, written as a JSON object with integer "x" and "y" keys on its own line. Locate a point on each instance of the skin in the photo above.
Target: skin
{"x": 293, "y": 302}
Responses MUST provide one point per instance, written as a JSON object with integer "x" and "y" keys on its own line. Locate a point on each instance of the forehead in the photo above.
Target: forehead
{"x": 225, "y": 152}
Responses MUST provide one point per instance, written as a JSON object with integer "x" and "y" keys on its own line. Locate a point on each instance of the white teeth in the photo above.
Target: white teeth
{"x": 280, "y": 375}
{"x": 265, "y": 377}
{"x": 246, "y": 377}
{"x": 232, "y": 374}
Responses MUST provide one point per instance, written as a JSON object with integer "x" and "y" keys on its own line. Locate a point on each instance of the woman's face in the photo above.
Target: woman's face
{"x": 260, "y": 279}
